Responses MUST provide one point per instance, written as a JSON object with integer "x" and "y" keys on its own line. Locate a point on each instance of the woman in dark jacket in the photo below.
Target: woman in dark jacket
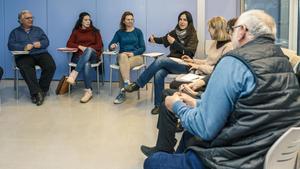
{"x": 182, "y": 41}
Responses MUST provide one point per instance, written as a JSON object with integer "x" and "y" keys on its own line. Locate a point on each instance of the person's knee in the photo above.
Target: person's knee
{"x": 153, "y": 161}
{"x": 51, "y": 67}
{"x": 25, "y": 67}
{"x": 161, "y": 60}
{"x": 89, "y": 50}
{"x": 148, "y": 163}
{"x": 160, "y": 75}
{"x": 122, "y": 57}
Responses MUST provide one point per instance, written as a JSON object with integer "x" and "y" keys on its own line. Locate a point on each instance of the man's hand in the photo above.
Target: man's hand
{"x": 170, "y": 100}
{"x": 37, "y": 44}
{"x": 196, "y": 85}
{"x": 82, "y": 48}
{"x": 28, "y": 47}
{"x": 188, "y": 99}
{"x": 170, "y": 39}
{"x": 187, "y": 89}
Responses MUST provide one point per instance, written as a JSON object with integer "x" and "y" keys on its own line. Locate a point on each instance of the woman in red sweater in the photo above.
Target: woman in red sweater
{"x": 87, "y": 39}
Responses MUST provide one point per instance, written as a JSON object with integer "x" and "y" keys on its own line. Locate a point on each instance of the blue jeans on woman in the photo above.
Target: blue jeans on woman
{"x": 84, "y": 63}
{"x": 160, "y": 68}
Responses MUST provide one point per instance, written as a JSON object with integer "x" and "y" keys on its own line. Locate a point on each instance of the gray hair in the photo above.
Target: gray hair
{"x": 258, "y": 22}
{"x": 20, "y": 14}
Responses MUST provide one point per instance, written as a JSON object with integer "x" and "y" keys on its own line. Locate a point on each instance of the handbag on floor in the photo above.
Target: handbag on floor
{"x": 63, "y": 86}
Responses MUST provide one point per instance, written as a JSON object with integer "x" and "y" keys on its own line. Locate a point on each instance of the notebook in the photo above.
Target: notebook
{"x": 188, "y": 77}
{"x": 68, "y": 49}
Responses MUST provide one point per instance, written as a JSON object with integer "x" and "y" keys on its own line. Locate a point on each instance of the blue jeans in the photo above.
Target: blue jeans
{"x": 160, "y": 68}
{"x": 84, "y": 63}
{"x": 162, "y": 160}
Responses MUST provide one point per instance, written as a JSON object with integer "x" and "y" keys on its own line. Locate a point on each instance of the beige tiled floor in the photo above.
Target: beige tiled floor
{"x": 65, "y": 134}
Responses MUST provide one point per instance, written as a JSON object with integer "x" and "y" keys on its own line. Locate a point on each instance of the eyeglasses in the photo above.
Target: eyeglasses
{"x": 29, "y": 18}
{"x": 230, "y": 29}
{"x": 233, "y": 27}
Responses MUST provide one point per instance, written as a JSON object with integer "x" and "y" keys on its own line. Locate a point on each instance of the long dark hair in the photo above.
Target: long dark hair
{"x": 189, "y": 18}
{"x": 122, "y": 25}
{"x": 79, "y": 22}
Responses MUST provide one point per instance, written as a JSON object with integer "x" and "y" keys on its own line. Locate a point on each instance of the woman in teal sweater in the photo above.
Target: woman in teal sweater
{"x": 131, "y": 46}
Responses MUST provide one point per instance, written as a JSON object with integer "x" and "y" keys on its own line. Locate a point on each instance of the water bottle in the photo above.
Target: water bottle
{"x": 117, "y": 49}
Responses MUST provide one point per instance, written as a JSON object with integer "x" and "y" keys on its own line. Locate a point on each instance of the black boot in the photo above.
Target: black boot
{"x": 33, "y": 98}
{"x": 39, "y": 98}
{"x": 132, "y": 87}
{"x": 155, "y": 110}
{"x": 148, "y": 151}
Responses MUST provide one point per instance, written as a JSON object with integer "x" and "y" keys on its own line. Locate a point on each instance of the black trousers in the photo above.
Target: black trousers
{"x": 26, "y": 64}
{"x": 1, "y": 73}
{"x": 167, "y": 122}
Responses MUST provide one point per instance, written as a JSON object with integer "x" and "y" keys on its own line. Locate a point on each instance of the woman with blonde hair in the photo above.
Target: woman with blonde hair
{"x": 221, "y": 44}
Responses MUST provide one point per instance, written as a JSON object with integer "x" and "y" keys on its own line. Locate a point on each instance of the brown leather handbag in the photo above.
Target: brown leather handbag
{"x": 63, "y": 86}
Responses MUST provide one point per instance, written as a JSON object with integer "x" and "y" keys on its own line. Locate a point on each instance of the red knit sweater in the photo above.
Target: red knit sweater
{"x": 85, "y": 37}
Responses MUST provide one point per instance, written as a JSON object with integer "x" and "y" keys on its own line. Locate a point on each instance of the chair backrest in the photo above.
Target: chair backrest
{"x": 283, "y": 153}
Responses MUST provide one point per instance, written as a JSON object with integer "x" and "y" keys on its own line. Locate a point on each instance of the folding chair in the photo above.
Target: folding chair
{"x": 283, "y": 153}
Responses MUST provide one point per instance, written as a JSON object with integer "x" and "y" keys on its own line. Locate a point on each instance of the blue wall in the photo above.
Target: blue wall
{"x": 57, "y": 18}
{"x": 228, "y": 9}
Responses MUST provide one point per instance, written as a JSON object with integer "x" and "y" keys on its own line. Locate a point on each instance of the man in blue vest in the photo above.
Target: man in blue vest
{"x": 251, "y": 99}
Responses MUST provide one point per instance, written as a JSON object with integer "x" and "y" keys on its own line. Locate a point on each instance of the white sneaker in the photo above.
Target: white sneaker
{"x": 87, "y": 96}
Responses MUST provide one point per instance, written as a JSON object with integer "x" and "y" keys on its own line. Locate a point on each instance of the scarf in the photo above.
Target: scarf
{"x": 181, "y": 34}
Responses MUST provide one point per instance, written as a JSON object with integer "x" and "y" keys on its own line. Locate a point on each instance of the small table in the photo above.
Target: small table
{"x": 153, "y": 54}
{"x": 22, "y": 52}
{"x": 110, "y": 53}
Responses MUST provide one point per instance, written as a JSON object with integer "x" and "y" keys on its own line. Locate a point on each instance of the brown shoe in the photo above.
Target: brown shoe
{"x": 72, "y": 77}
{"x": 87, "y": 96}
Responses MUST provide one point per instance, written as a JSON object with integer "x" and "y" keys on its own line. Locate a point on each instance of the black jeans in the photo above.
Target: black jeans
{"x": 26, "y": 64}
{"x": 166, "y": 124}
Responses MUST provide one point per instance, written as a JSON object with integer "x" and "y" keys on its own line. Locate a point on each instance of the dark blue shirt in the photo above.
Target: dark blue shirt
{"x": 130, "y": 41}
{"x": 18, "y": 39}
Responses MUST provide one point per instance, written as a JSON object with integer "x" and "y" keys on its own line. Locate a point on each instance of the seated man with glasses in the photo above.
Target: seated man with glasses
{"x": 32, "y": 39}
{"x": 251, "y": 99}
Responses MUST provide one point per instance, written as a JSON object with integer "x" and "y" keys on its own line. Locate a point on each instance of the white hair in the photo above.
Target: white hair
{"x": 20, "y": 14}
{"x": 258, "y": 22}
